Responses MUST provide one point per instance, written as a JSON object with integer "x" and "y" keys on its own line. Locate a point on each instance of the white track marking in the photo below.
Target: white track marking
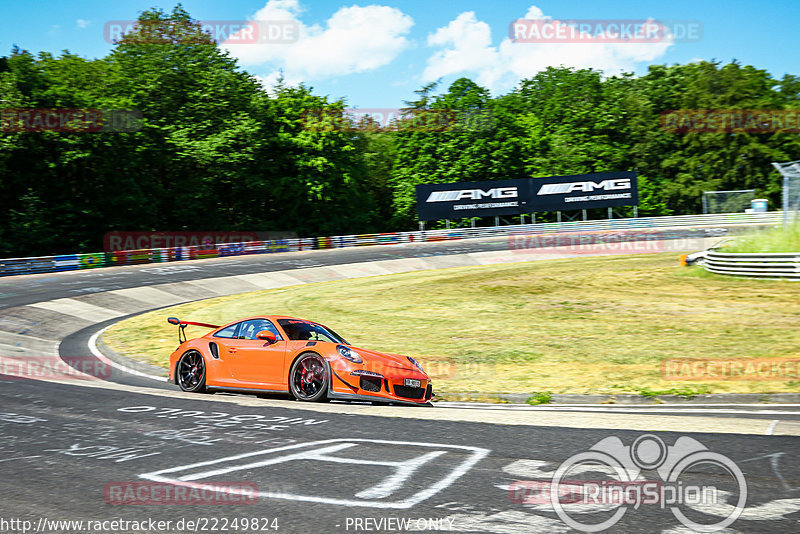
{"x": 771, "y": 427}
{"x": 19, "y": 458}
{"x": 595, "y": 405}
{"x": 124, "y": 368}
{"x": 769, "y": 511}
{"x": 506, "y": 522}
{"x": 314, "y": 453}
{"x": 403, "y": 473}
{"x": 623, "y": 409}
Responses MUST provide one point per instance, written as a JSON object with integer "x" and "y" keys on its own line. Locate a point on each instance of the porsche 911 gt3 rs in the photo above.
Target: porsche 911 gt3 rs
{"x": 280, "y": 354}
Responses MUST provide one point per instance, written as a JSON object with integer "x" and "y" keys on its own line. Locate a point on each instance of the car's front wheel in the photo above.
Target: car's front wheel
{"x": 191, "y": 372}
{"x": 308, "y": 378}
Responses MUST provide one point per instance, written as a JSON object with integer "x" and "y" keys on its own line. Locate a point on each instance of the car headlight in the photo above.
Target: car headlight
{"x": 416, "y": 363}
{"x": 364, "y": 372}
{"x": 349, "y": 354}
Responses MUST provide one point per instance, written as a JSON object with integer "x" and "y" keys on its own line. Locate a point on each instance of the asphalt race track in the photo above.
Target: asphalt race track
{"x": 22, "y": 290}
{"x": 65, "y": 448}
{"x": 121, "y": 452}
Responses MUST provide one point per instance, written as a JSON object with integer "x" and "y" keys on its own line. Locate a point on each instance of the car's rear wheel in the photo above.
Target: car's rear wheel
{"x": 191, "y": 372}
{"x": 308, "y": 378}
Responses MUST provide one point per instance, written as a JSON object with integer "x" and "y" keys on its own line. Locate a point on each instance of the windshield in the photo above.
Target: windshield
{"x": 298, "y": 330}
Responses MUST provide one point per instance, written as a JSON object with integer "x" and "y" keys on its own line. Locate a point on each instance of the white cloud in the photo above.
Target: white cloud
{"x": 268, "y": 81}
{"x": 536, "y": 13}
{"x": 465, "y": 47}
{"x": 354, "y": 39}
{"x": 82, "y": 23}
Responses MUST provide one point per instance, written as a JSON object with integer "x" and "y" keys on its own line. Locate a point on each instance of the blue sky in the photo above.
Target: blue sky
{"x": 376, "y": 53}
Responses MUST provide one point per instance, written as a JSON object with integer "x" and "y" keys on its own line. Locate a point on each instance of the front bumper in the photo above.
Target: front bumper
{"x": 383, "y": 389}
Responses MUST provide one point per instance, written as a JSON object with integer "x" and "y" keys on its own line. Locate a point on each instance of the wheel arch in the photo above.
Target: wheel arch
{"x": 184, "y": 353}
{"x": 325, "y": 362}
{"x": 297, "y": 357}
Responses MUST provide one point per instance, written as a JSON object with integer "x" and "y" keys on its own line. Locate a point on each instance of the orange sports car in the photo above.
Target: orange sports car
{"x": 278, "y": 354}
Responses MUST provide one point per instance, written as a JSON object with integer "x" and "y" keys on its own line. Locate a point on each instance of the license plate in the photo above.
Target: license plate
{"x": 411, "y": 383}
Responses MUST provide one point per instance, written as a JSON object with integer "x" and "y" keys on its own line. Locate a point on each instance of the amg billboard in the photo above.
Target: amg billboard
{"x": 513, "y": 197}
{"x": 472, "y": 199}
{"x": 584, "y": 191}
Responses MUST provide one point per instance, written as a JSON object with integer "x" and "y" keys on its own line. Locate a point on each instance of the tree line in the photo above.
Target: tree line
{"x": 213, "y": 150}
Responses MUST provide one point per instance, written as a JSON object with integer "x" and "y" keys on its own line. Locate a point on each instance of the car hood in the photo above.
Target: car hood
{"x": 374, "y": 361}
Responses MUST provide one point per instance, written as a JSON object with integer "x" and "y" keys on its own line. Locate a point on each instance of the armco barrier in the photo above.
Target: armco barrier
{"x": 68, "y": 262}
{"x": 761, "y": 265}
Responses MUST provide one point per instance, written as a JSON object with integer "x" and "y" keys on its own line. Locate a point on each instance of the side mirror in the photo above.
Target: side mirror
{"x": 173, "y": 320}
{"x": 267, "y": 336}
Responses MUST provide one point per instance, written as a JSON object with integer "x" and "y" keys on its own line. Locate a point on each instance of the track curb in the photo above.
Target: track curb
{"x": 558, "y": 399}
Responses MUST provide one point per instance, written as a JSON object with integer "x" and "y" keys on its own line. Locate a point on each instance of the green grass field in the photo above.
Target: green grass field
{"x": 585, "y": 325}
{"x": 777, "y": 239}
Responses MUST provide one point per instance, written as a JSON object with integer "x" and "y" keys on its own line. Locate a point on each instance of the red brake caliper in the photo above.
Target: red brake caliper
{"x": 306, "y": 375}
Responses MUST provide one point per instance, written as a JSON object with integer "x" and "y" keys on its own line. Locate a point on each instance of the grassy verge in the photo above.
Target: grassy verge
{"x": 777, "y": 239}
{"x": 584, "y": 325}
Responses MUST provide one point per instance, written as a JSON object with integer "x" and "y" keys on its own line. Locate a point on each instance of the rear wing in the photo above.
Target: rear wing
{"x": 183, "y": 324}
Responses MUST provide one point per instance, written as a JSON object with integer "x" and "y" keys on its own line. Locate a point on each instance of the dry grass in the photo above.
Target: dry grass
{"x": 585, "y": 325}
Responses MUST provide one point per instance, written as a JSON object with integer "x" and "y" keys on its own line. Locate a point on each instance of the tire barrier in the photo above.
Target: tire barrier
{"x": 70, "y": 262}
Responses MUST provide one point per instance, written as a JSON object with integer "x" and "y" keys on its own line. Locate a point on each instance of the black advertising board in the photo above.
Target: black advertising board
{"x": 472, "y": 199}
{"x": 584, "y": 191}
{"x": 513, "y": 197}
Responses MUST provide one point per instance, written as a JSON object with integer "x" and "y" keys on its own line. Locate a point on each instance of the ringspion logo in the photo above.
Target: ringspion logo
{"x": 707, "y": 502}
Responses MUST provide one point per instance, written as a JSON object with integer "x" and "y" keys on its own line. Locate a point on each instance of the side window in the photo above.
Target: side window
{"x": 252, "y": 327}
{"x": 229, "y": 332}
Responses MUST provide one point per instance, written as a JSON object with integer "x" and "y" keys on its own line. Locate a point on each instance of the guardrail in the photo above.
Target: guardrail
{"x": 71, "y": 262}
{"x": 761, "y": 265}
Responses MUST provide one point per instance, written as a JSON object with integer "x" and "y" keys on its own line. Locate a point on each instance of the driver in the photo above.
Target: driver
{"x": 303, "y": 334}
